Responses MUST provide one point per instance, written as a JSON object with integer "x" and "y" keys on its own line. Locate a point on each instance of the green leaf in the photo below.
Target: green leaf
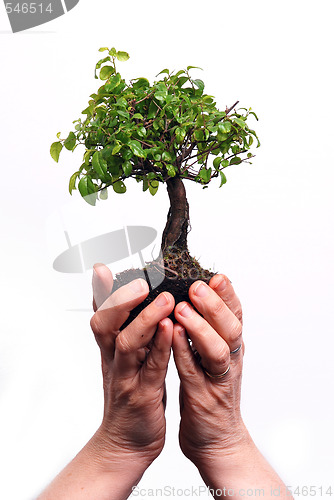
{"x": 194, "y": 67}
{"x": 163, "y": 71}
{"x": 113, "y": 82}
{"x": 138, "y": 116}
{"x": 117, "y": 148}
{"x": 104, "y": 194}
{"x": 119, "y": 187}
{"x": 122, "y": 56}
{"x": 106, "y": 72}
{"x": 205, "y": 174}
{"x": 225, "y": 163}
{"x": 69, "y": 143}
{"x": 180, "y": 134}
{"x": 112, "y": 52}
{"x": 55, "y": 149}
{"x": 171, "y": 171}
{"x": 145, "y": 184}
{"x": 166, "y": 156}
{"x": 72, "y": 182}
{"x": 99, "y": 165}
{"x": 199, "y": 84}
{"x": 223, "y": 178}
{"x": 152, "y": 110}
{"x": 235, "y": 161}
{"x": 240, "y": 122}
{"x": 153, "y": 187}
{"x": 137, "y": 149}
{"x": 225, "y": 127}
{"x": 102, "y": 49}
{"x": 127, "y": 168}
{"x": 216, "y": 162}
{"x": 87, "y": 190}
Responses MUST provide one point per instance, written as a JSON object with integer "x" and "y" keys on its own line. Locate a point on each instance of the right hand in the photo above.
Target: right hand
{"x": 211, "y": 423}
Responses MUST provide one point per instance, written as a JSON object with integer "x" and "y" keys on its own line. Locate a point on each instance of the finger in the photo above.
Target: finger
{"x": 190, "y": 373}
{"x": 216, "y": 313}
{"x": 155, "y": 367}
{"x": 108, "y": 319}
{"x": 224, "y": 289}
{"x": 139, "y": 333}
{"x": 102, "y": 283}
{"x": 214, "y": 351}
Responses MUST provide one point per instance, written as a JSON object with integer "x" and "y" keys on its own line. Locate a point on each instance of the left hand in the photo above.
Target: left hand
{"x": 133, "y": 426}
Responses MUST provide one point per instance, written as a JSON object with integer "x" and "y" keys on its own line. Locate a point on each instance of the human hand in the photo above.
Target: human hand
{"x": 133, "y": 425}
{"x": 211, "y": 423}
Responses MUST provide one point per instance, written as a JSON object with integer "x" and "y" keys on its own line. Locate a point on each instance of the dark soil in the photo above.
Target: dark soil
{"x": 174, "y": 273}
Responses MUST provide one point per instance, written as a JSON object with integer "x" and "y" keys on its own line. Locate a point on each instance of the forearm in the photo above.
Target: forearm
{"x": 242, "y": 473}
{"x": 91, "y": 475}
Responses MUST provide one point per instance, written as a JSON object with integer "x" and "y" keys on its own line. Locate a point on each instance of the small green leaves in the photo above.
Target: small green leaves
{"x": 55, "y": 150}
{"x": 119, "y": 187}
{"x": 223, "y": 178}
{"x": 153, "y": 132}
{"x": 106, "y": 72}
{"x": 70, "y": 142}
{"x": 137, "y": 149}
{"x": 122, "y": 56}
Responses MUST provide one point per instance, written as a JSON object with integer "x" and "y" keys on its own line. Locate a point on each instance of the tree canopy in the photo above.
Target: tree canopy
{"x": 153, "y": 132}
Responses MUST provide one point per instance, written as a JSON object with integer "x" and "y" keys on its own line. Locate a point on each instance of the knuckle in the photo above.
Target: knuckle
{"x": 222, "y": 355}
{"x": 236, "y": 329}
{"x": 145, "y": 317}
{"x": 238, "y": 312}
{"x": 217, "y": 309}
{"x": 96, "y": 325}
{"x": 122, "y": 344}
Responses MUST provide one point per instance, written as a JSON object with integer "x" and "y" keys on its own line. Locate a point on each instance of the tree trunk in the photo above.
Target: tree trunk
{"x": 176, "y": 229}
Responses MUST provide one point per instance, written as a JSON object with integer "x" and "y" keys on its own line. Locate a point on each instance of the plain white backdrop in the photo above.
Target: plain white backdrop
{"x": 270, "y": 228}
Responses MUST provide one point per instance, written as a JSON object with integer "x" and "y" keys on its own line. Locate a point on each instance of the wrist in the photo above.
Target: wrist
{"x": 108, "y": 457}
{"x": 231, "y": 444}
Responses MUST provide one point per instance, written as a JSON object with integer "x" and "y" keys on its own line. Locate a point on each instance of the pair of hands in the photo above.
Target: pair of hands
{"x": 133, "y": 425}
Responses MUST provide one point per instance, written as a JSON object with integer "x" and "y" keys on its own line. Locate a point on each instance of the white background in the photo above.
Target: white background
{"x": 270, "y": 228}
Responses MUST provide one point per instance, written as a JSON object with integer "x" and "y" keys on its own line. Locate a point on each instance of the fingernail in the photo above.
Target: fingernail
{"x": 137, "y": 286}
{"x": 161, "y": 300}
{"x": 201, "y": 290}
{"x": 186, "y": 311}
{"x": 221, "y": 286}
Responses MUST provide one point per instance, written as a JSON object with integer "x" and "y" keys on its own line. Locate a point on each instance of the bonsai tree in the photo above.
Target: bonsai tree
{"x": 165, "y": 133}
